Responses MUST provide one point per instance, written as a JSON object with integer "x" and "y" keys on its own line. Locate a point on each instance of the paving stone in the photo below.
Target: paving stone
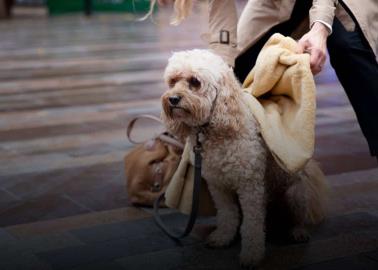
{"x": 188, "y": 257}
{"x": 46, "y": 242}
{"x": 345, "y": 162}
{"x": 100, "y": 266}
{"x": 372, "y": 255}
{"x": 7, "y": 198}
{"x": 140, "y": 229}
{"x": 21, "y": 260}
{"x": 345, "y": 224}
{"x": 64, "y": 181}
{"x": 341, "y": 245}
{"x": 106, "y": 251}
{"x": 359, "y": 197}
{"x": 75, "y": 222}
{"x": 5, "y": 239}
{"x": 162, "y": 211}
{"x": 109, "y": 196}
{"x": 41, "y": 208}
{"x": 349, "y": 179}
{"x": 167, "y": 259}
{"x": 351, "y": 263}
{"x": 277, "y": 257}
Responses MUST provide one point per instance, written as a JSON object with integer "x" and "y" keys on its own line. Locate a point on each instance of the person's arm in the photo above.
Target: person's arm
{"x": 222, "y": 26}
{"x": 314, "y": 42}
{"x": 323, "y": 11}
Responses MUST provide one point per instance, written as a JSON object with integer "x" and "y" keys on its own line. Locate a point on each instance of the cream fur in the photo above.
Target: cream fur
{"x": 237, "y": 164}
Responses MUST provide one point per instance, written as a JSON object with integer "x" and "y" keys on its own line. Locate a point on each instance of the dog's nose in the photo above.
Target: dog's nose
{"x": 174, "y": 100}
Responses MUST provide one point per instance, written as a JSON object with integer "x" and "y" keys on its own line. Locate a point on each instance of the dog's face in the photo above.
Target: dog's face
{"x": 189, "y": 99}
{"x": 194, "y": 80}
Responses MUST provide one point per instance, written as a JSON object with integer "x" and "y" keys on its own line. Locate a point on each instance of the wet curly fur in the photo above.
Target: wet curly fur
{"x": 237, "y": 164}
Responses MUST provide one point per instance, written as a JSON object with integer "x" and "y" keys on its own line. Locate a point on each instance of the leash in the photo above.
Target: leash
{"x": 197, "y": 149}
{"x": 195, "y": 197}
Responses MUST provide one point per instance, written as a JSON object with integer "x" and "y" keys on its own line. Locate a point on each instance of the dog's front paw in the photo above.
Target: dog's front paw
{"x": 250, "y": 258}
{"x": 300, "y": 235}
{"x": 218, "y": 239}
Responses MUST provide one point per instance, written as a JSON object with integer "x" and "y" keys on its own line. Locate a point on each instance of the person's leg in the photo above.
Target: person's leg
{"x": 8, "y": 5}
{"x": 357, "y": 70}
{"x": 245, "y": 61}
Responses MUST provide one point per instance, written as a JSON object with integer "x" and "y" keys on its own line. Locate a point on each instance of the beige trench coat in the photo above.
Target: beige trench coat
{"x": 258, "y": 16}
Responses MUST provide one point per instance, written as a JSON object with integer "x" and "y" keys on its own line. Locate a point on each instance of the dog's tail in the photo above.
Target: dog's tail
{"x": 317, "y": 191}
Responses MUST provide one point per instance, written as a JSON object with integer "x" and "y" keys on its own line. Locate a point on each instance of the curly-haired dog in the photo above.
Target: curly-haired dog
{"x": 203, "y": 93}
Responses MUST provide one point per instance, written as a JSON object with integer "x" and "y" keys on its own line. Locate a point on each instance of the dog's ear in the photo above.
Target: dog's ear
{"x": 227, "y": 114}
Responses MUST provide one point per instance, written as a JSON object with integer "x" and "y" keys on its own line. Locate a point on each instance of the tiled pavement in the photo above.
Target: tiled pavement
{"x": 68, "y": 86}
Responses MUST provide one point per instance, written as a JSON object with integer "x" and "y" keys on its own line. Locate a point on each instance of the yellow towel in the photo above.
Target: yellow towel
{"x": 283, "y": 102}
{"x": 180, "y": 190}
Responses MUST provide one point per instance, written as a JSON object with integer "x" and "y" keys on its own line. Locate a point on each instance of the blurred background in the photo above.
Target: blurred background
{"x": 72, "y": 74}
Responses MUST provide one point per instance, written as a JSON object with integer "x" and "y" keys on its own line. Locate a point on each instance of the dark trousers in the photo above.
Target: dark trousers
{"x": 8, "y": 6}
{"x": 351, "y": 57}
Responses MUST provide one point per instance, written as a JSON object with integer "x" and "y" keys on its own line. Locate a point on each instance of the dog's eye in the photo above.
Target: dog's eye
{"x": 172, "y": 82}
{"x": 194, "y": 83}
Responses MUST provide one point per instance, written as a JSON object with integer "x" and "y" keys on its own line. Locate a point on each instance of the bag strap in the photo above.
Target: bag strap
{"x": 132, "y": 122}
{"x": 165, "y": 137}
{"x": 195, "y": 199}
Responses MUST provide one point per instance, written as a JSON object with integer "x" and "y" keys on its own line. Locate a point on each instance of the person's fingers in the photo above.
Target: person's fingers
{"x": 317, "y": 60}
{"x": 315, "y": 70}
{"x": 303, "y": 45}
{"x": 322, "y": 60}
{"x": 314, "y": 58}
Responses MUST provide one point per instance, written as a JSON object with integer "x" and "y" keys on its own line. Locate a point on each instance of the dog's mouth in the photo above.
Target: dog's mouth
{"x": 177, "y": 111}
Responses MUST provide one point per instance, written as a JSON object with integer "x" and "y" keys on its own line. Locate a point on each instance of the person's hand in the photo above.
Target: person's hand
{"x": 315, "y": 43}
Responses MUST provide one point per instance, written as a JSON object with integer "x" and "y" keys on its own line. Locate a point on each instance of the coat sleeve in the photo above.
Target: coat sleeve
{"x": 222, "y": 26}
{"x": 323, "y": 10}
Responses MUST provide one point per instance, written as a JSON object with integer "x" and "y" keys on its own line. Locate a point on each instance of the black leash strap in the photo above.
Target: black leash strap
{"x": 195, "y": 198}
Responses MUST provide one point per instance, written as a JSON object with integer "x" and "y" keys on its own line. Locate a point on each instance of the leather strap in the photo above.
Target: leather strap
{"x": 170, "y": 140}
{"x": 195, "y": 199}
{"x": 132, "y": 122}
{"x": 165, "y": 137}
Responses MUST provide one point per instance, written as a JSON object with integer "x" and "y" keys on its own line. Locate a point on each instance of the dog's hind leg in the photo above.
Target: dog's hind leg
{"x": 252, "y": 202}
{"x": 297, "y": 202}
{"x": 228, "y": 217}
